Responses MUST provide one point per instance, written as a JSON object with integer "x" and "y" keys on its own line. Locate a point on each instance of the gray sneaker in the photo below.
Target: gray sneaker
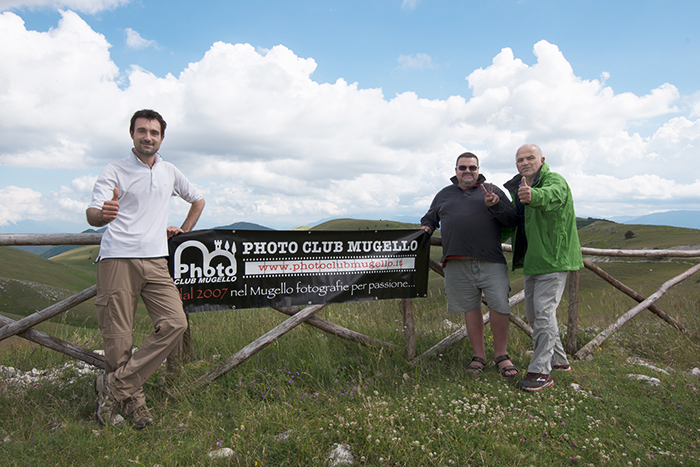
{"x": 106, "y": 402}
{"x": 140, "y": 417}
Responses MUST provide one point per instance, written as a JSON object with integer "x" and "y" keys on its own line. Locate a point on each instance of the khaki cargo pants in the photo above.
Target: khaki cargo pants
{"x": 120, "y": 283}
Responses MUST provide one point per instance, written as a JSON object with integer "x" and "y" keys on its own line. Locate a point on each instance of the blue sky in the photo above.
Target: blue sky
{"x": 349, "y": 109}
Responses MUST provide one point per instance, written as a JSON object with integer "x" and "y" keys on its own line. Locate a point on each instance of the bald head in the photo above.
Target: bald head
{"x": 529, "y": 160}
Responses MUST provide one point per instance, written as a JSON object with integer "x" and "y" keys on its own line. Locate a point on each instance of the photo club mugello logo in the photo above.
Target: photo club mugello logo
{"x": 224, "y": 269}
{"x": 212, "y": 266}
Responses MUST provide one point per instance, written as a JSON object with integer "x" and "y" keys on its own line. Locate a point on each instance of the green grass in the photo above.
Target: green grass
{"x": 20, "y": 265}
{"x": 30, "y": 283}
{"x": 320, "y": 390}
{"x": 293, "y": 401}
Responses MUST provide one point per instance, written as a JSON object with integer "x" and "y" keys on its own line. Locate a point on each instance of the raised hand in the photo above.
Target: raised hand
{"x": 490, "y": 197}
{"x": 524, "y": 192}
{"x": 110, "y": 208}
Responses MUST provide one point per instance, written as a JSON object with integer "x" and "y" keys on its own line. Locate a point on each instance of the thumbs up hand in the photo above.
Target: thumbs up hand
{"x": 524, "y": 192}
{"x": 110, "y": 208}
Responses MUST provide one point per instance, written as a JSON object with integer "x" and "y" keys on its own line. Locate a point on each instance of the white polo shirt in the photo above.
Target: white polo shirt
{"x": 139, "y": 231}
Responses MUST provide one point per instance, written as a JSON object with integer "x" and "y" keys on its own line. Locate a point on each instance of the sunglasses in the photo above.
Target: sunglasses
{"x": 471, "y": 168}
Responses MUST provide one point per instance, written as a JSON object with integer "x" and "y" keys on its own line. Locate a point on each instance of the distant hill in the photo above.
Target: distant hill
{"x": 687, "y": 219}
{"x": 582, "y": 222}
{"x": 363, "y": 224}
{"x": 244, "y": 226}
{"x": 606, "y": 234}
{"x": 368, "y": 224}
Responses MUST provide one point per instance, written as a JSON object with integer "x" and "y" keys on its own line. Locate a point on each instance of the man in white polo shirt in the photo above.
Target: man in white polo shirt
{"x": 131, "y": 197}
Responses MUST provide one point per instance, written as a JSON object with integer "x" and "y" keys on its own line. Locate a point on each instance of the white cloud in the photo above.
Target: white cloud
{"x": 85, "y": 6}
{"x": 268, "y": 144}
{"x": 419, "y": 61}
{"x": 695, "y": 105}
{"x": 17, "y": 204}
{"x": 59, "y": 94}
{"x": 135, "y": 41}
{"x": 409, "y": 4}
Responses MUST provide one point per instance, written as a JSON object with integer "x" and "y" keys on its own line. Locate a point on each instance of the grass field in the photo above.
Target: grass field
{"x": 299, "y": 399}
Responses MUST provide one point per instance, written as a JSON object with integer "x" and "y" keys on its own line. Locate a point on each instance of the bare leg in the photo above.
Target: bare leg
{"x": 499, "y": 328}
{"x": 475, "y": 331}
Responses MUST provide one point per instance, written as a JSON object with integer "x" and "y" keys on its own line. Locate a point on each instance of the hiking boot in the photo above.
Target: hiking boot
{"x": 561, "y": 367}
{"x": 106, "y": 402}
{"x": 140, "y": 417}
{"x": 534, "y": 382}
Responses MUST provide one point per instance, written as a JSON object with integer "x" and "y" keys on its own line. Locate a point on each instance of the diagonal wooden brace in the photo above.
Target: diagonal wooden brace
{"x": 339, "y": 331}
{"x": 461, "y": 333}
{"x": 40, "y": 316}
{"x": 254, "y": 347}
{"x": 638, "y": 297}
{"x": 54, "y": 343}
{"x": 624, "y": 319}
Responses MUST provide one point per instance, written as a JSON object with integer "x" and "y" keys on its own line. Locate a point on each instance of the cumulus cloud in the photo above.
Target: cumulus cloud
{"x": 409, "y": 4}
{"x": 695, "y": 105}
{"x": 135, "y": 41}
{"x": 417, "y": 61}
{"x": 17, "y": 204}
{"x": 85, "y": 6}
{"x": 268, "y": 144}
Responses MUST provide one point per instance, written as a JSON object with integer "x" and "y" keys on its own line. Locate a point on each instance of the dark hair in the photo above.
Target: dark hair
{"x": 149, "y": 115}
{"x": 467, "y": 154}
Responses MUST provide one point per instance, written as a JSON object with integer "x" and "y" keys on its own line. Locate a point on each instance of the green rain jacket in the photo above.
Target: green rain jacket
{"x": 546, "y": 240}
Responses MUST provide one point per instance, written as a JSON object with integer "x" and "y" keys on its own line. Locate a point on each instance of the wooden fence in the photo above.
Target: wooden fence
{"x": 24, "y": 327}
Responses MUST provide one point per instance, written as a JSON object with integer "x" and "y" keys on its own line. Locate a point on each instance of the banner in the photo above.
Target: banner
{"x": 225, "y": 269}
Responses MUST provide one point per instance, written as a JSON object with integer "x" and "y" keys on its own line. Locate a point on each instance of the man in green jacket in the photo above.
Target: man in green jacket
{"x": 546, "y": 246}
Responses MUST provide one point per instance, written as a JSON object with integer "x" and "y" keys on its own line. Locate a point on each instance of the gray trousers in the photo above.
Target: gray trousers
{"x": 542, "y": 296}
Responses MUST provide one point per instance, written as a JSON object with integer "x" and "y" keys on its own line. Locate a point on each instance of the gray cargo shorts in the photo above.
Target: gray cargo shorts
{"x": 466, "y": 279}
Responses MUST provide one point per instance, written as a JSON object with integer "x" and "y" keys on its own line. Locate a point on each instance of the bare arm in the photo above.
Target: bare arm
{"x": 192, "y": 217}
{"x": 101, "y": 217}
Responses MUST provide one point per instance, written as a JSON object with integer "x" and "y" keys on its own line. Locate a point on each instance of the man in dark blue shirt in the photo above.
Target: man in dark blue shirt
{"x": 472, "y": 216}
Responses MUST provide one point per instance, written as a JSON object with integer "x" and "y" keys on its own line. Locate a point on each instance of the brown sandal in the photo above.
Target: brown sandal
{"x": 473, "y": 368}
{"x": 507, "y": 368}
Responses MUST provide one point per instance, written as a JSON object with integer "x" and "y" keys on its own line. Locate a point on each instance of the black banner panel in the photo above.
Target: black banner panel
{"x": 225, "y": 269}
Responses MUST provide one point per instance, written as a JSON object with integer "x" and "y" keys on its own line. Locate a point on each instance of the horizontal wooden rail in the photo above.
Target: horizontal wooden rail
{"x": 667, "y": 253}
{"x": 50, "y": 239}
{"x": 94, "y": 239}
